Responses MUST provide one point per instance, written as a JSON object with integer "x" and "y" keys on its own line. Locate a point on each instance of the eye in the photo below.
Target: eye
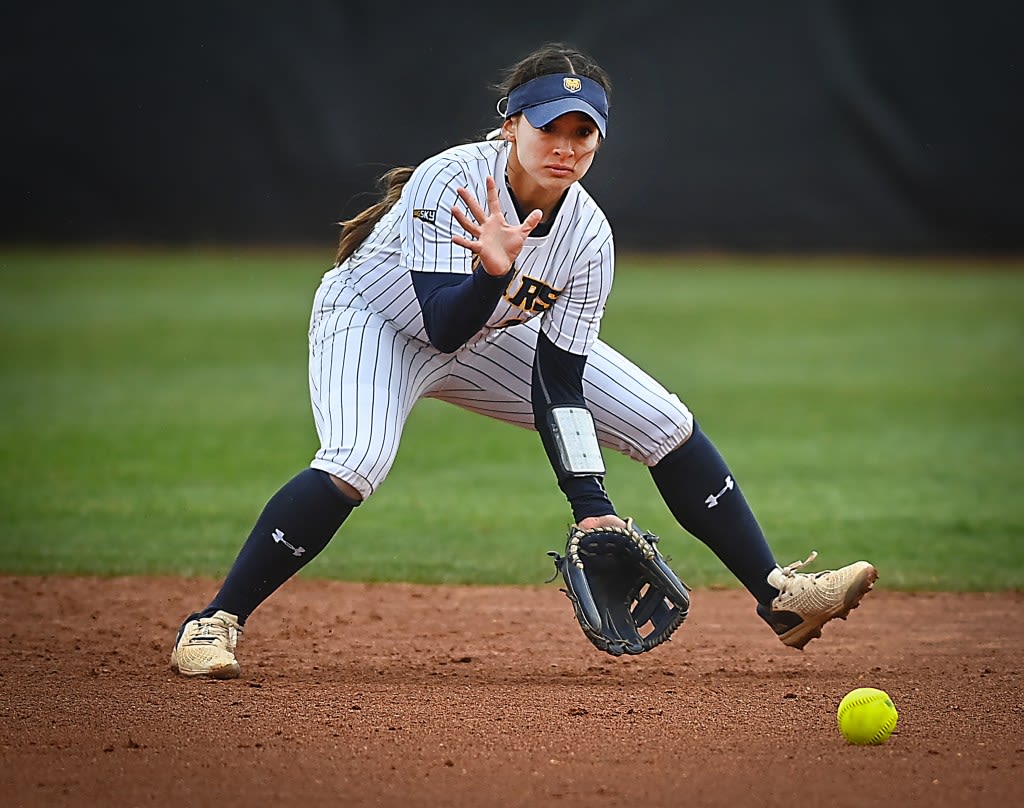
{"x": 585, "y": 131}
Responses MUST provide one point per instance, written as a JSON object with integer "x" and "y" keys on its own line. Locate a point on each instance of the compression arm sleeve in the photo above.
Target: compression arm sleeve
{"x": 558, "y": 381}
{"x": 456, "y": 306}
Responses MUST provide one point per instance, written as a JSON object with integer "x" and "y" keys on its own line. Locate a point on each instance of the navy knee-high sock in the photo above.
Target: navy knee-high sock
{"x": 703, "y": 496}
{"x": 296, "y": 524}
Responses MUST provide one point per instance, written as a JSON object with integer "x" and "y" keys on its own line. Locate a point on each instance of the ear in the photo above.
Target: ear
{"x": 508, "y": 129}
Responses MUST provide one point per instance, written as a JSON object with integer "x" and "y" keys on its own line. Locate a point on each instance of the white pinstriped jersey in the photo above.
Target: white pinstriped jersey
{"x": 370, "y": 360}
{"x": 564, "y": 276}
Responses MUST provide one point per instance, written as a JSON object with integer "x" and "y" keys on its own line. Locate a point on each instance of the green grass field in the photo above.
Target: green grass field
{"x": 153, "y": 401}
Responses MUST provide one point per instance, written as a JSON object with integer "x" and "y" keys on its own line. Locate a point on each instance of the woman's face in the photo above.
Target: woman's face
{"x": 557, "y": 155}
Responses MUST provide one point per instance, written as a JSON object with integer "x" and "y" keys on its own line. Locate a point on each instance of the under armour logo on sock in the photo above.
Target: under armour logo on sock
{"x": 712, "y": 499}
{"x": 278, "y": 536}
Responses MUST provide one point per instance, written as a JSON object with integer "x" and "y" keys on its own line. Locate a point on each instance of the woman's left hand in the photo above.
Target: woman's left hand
{"x": 611, "y": 520}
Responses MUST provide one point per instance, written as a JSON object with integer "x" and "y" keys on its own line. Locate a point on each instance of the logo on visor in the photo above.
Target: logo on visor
{"x": 572, "y": 85}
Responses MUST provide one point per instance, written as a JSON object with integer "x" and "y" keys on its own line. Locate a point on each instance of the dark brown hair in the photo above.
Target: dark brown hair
{"x": 554, "y": 57}
{"x": 355, "y": 230}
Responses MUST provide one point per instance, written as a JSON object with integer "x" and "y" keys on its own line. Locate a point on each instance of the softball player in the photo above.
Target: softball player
{"x": 480, "y": 279}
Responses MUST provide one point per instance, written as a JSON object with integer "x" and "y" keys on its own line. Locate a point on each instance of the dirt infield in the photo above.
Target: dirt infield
{"x": 394, "y": 695}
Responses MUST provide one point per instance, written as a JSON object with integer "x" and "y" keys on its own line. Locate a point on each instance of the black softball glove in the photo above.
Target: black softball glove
{"x": 626, "y": 598}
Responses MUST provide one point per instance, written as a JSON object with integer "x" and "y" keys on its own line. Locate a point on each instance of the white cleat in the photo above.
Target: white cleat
{"x": 806, "y": 601}
{"x": 206, "y": 647}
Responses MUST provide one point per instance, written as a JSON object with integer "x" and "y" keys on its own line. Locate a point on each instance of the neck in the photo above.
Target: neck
{"x": 529, "y": 193}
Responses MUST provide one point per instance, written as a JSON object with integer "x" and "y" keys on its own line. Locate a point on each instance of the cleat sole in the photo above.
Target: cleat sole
{"x": 222, "y": 672}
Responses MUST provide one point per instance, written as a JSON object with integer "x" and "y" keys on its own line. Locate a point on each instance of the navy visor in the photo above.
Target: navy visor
{"x": 544, "y": 98}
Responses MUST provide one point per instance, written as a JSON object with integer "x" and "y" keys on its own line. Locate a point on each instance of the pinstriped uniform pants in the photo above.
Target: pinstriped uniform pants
{"x": 365, "y": 377}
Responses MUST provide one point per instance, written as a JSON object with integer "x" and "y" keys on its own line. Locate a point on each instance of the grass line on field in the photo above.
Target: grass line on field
{"x": 153, "y": 401}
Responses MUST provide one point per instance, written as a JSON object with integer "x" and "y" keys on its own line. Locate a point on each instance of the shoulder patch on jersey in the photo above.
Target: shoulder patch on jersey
{"x": 425, "y": 215}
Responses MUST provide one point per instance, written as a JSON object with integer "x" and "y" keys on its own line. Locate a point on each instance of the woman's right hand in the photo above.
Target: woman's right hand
{"x": 494, "y": 241}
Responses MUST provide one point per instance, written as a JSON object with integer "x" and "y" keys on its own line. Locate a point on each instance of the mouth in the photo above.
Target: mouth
{"x": 560, "y": 171}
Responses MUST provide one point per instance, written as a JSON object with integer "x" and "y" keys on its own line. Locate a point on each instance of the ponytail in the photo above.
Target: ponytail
{"x": 355, "y": 230}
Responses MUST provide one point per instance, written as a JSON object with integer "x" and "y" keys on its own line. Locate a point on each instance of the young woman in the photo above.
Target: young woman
{"x": 481, "y": 279}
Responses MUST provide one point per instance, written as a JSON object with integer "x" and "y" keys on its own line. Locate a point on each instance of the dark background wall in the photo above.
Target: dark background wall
{"x": 881, "y": 126}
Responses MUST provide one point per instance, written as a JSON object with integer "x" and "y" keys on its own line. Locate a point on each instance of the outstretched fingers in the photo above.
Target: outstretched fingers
{"x": 468, "y": 225}
{"x": 488, "y": 233}
{"x": 531, "y": 221}
{"x": 474, "y": 225}
{"x": 481, "y": 215}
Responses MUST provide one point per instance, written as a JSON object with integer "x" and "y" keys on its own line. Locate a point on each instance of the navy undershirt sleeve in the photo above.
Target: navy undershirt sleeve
{"x": 558, "y": 381}
{"x": 456, "y": 306}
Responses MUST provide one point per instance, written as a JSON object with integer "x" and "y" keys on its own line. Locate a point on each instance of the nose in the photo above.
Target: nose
{"x": 564, "y": 147}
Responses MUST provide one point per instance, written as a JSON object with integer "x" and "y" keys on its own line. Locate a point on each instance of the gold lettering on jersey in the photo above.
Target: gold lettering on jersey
{"x": 429, "y": 216}
{"x": 533, "y": 296}
{"x": 511, "y": 321}
{"x": 572, "y": 85}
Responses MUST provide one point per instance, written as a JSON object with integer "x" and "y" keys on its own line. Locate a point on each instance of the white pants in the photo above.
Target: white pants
{"x": 365, "y": 377}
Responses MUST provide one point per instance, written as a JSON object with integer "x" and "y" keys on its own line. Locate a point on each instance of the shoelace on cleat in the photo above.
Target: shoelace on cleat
{"x": 211, "y": 630}
{"x": 791, "y": 569}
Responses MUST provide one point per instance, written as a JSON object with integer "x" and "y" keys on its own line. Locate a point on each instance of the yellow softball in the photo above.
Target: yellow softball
{"x": 867, "y": 716}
